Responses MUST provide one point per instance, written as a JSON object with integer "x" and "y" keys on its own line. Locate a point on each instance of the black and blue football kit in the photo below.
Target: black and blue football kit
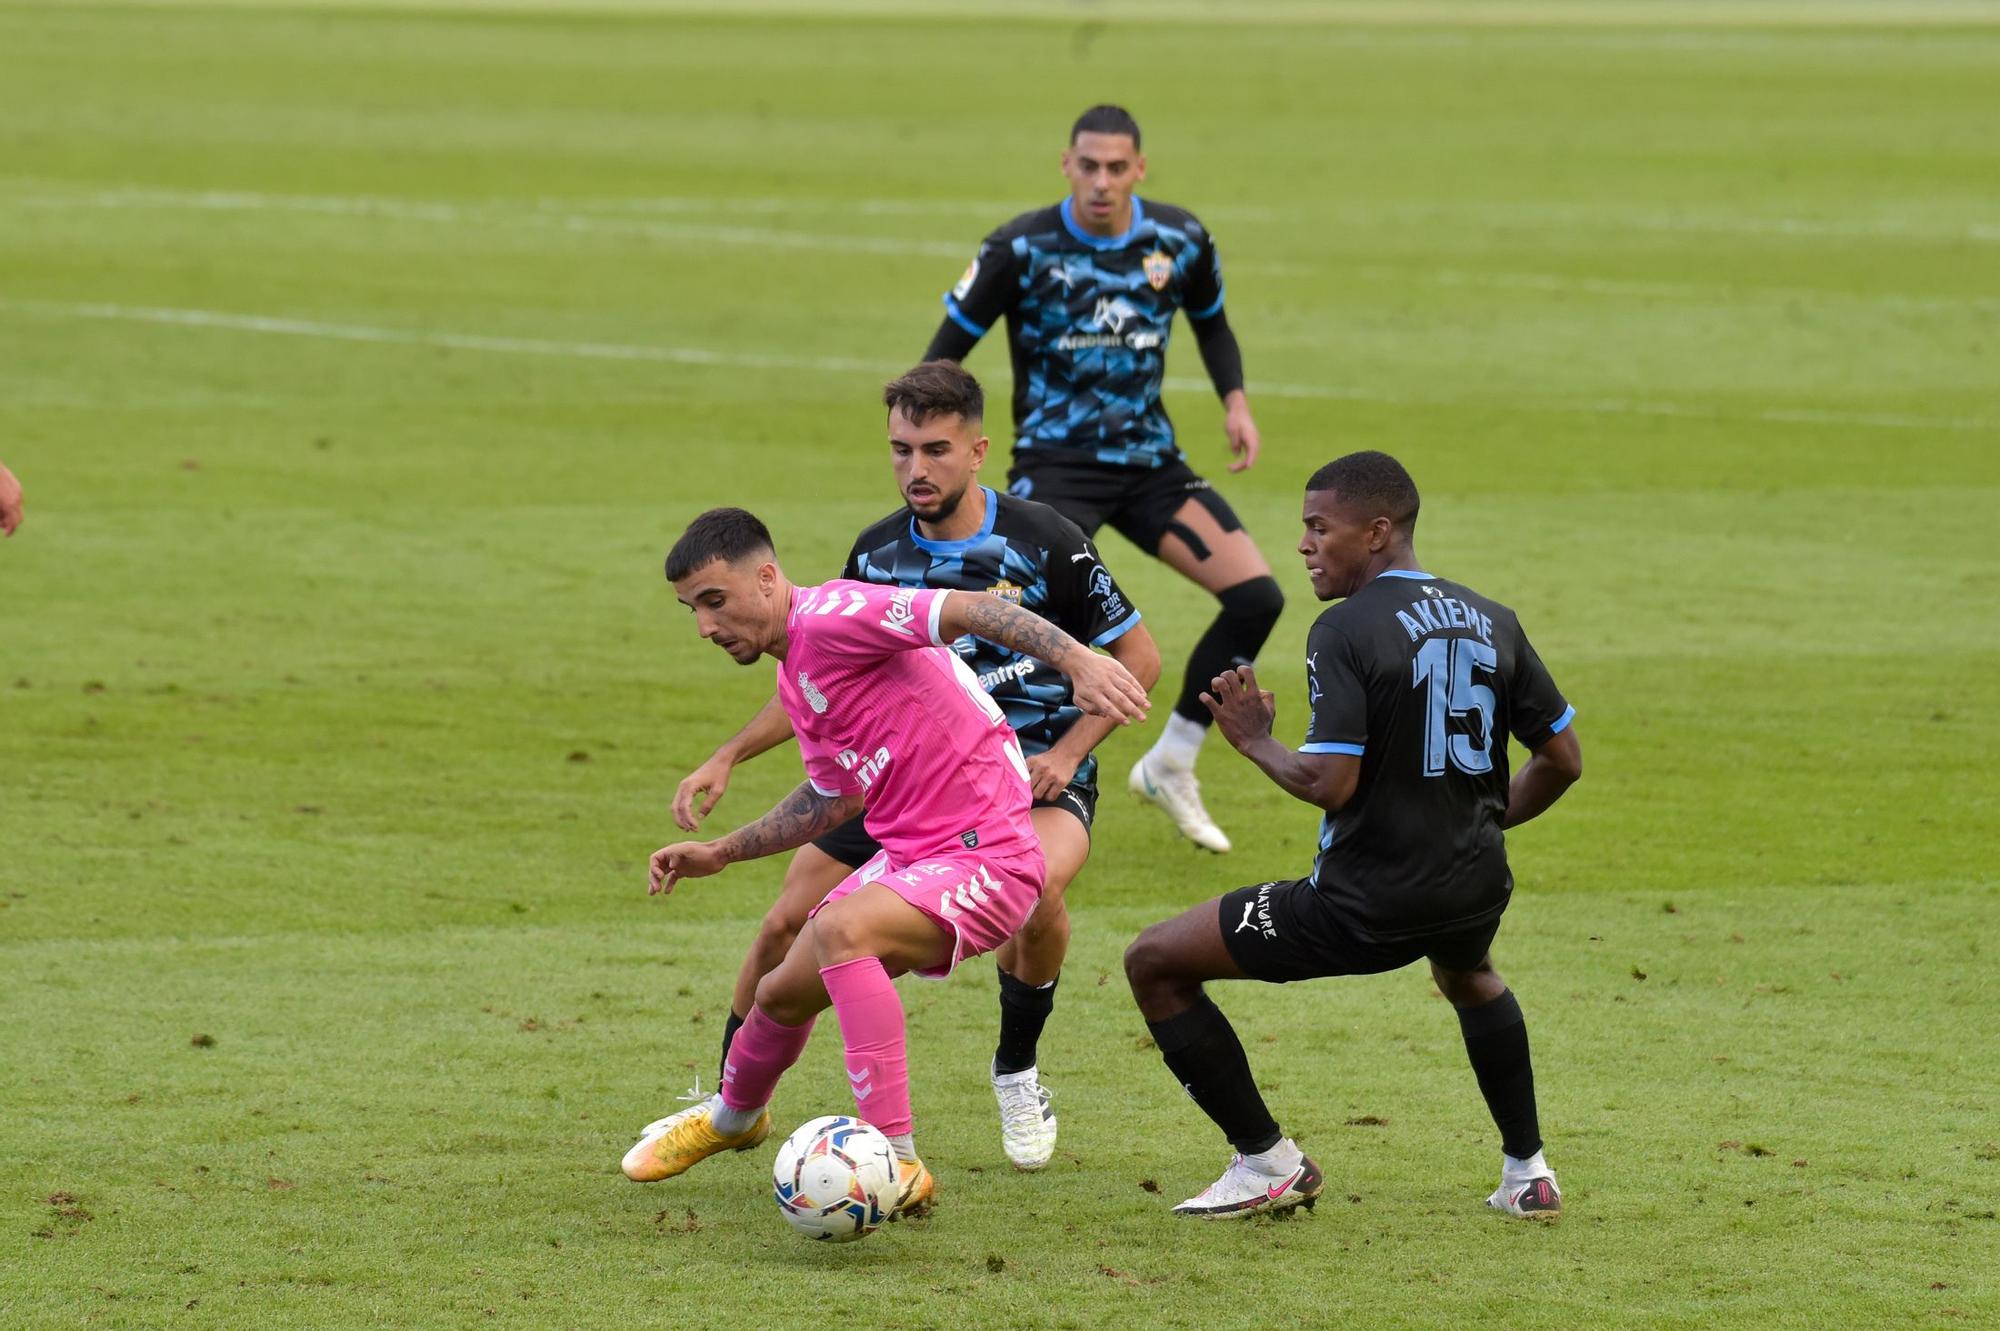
{"x": 1031, "y": 555}
{"x": 1088, "y": 322}
{"x": 1423, "y": 679}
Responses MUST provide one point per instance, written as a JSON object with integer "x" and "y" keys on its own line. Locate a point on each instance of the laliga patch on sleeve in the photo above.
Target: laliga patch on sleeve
{"x": 965, "y": 283}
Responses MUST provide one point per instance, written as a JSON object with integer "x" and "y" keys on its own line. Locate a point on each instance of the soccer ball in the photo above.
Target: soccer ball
{"x": 835, "y": 1179}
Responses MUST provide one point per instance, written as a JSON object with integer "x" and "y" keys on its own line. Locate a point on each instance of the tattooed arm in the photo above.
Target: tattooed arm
{"x": 797, "y": 819}
{"x": 1101, "y": 686}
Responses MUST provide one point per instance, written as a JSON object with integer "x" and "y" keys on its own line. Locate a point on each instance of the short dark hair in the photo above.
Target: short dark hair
{"x": 1106, "y": 119}
{"x": 936, "y": 388}
{"x": 727, "y": 534}
{"x": 1372, "y": 481}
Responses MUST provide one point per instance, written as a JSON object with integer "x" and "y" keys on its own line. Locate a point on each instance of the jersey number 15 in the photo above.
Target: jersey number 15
{"x": 1446, "y": 664}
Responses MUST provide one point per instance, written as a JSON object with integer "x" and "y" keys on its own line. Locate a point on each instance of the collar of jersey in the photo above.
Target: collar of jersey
{"x": 1103, "y": 242}
{"x": 960, "y": 547}
{"x": 1405, "y": 573}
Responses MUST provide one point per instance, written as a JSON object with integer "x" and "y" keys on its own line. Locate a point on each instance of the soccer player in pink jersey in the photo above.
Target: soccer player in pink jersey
{"x": 891, "y": 723}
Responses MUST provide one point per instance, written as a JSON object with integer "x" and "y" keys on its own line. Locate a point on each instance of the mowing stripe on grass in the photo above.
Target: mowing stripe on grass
{"x": 282, "y": 326}
{"x": 590, "y": 215}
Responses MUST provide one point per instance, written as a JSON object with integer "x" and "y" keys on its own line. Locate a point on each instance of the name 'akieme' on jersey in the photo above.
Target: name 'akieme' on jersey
{"x": 1423, "y": 679}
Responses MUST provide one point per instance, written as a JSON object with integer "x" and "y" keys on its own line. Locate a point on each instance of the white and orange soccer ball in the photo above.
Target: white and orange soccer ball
{"x": 835, "y": 1179}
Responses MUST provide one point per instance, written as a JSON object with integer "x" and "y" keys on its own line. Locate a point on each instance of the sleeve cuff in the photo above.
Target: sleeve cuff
{"x": 818, "y": 789}
{"x": 937, "y": 616}
{"x": 1117, "y": 631}
{"x": 1355, "y": 750}
{"x": 1562, "y": 722}
{"x": 1210, "y": 312}
{"x": 957, "y": 316}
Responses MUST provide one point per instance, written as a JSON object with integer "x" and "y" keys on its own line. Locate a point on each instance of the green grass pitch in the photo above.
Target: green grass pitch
{"x": 362, "y": 360}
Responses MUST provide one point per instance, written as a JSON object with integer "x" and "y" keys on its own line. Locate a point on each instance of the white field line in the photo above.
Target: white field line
{"x": 1620, "y": 288}
{"x": 44, "y": 193}
{"x": 1393, "y": 15}
{"x": 526, "y": 346}
{"x": 994, "y": 212}
{"x": 698, "y": 356}
{"x": 1541, "y": 215}
{"x": 411, "y": 210}
{"x": 551, "y": 214}
{"x": 1952, "y": 233}
{"x": 991, "y": 211}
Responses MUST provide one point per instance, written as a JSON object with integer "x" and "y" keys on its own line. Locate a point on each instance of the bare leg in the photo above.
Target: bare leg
{"x": 1035, "y": 954}
{"x": 811, "y": 874}
{"x": 1496, "y": 1044}
{"x": 1168, "y": 962}
{"x": 1223, "y": 559}
{"x": 1167, "y": 965}
{"x": 1029, "y": 964}
{"x": 1225, "y": 562}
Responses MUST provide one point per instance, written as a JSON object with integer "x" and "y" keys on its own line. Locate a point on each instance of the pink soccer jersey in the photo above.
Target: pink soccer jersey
{"x": 883, "y": 708}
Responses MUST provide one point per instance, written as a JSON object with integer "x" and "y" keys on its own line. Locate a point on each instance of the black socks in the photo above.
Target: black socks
{"x": 729, "y": 1029}
{"x": 1024, "y": 1010}
{"x": 1203, "y": 1053}
{"x": 1249, "y": 612}
{"x": 1496, "y": 1040}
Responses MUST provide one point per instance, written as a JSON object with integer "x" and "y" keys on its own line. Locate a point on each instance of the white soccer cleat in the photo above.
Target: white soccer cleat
{"x": 1248, "y": 1188}
{"x": 1027, "y": 1124}
{"x": 1176, "y": 792}
{"x": 1536, "y": 1198}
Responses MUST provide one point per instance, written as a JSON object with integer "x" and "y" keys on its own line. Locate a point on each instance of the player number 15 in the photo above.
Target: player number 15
{"x": 1447, "y": 665}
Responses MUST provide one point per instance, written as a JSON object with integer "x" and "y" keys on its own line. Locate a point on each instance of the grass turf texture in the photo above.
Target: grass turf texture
{"x": 361, "y": 365}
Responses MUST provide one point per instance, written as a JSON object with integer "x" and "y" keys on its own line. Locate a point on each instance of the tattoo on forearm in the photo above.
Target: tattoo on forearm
{"x": 996, "y": 620}
{"x": 797, "y": 819}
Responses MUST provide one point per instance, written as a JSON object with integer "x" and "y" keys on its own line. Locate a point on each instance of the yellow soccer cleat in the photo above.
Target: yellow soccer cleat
{"x": 677, "y": 1143}
{"x": 915, "y": 1189}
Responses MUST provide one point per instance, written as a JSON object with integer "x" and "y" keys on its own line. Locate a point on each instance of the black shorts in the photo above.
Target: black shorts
{"x": 851, "y": 845}
{"x": 1286, "y": 931}
{"x": 1140, "y": 503}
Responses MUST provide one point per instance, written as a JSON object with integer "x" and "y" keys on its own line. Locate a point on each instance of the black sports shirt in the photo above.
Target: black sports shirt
{"x": 1424, "y": 679}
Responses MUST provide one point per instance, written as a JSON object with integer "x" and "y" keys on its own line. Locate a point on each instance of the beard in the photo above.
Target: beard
{"x": 947, "y": 504}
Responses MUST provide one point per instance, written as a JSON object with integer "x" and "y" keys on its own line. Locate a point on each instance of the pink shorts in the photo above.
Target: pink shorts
{"x": 980, "y": 901}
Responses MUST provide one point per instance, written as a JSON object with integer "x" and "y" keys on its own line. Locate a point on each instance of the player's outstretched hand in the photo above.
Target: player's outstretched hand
{"x": 1102, "y": 686}
{"x": 708, "y": 781}
{"x": 1242, "y": 711}
{"x": 1244, "y": 440}
{"x": 683, "y": 859}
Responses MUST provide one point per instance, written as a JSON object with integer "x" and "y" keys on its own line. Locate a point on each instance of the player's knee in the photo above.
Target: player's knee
{"x": 839, "y": 935}
{"x": 1256, "y": 604}
{"x": 1049, "y": 921}
{"x": 1468, "y": 988}
{"x": 778, "y": 1001}
{"x": 1146, "y": 960}
{"x": 775, "y": 937}
{"x": 1050, "y": 911}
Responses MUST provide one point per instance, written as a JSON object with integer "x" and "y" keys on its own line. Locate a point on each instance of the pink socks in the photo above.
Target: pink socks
{"x": 759, "y": 1055}
{"x": 871, "y": 1025}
